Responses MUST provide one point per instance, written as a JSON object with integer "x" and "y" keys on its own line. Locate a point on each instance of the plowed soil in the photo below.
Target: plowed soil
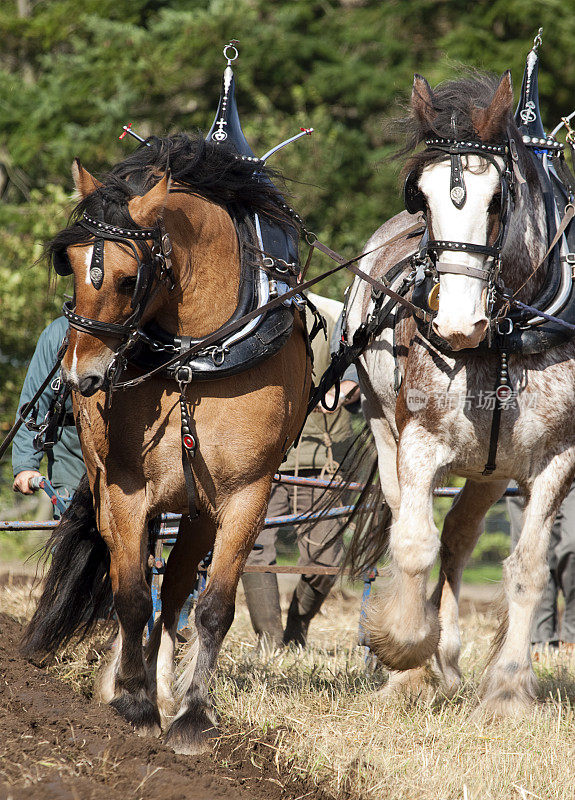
{"x": 56, "y": 744}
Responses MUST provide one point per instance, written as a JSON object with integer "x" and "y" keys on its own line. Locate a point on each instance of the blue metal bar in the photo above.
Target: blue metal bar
{"x": 20, "y": 525}
{"x": 271, "y": 522}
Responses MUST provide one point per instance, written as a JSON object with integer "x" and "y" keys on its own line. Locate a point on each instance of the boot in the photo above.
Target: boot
{"x": 305, "y": 604}
{"x": 263, "y": 599}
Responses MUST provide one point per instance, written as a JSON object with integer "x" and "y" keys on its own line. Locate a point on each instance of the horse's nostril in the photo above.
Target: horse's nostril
{"x": 462, "y": 336}
{"x": 89, "y": 384}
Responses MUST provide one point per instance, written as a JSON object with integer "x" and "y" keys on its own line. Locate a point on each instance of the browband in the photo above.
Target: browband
{"x": 99, "y": 228}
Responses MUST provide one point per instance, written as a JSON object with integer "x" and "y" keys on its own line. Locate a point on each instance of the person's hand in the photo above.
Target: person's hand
{"x": 22, "y": 481}
{"x": 348, "y": 393}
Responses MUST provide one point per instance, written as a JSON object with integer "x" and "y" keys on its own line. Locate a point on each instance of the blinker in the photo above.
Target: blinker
{"x": 61, "y": 263}
{"x": 413, "y": 198}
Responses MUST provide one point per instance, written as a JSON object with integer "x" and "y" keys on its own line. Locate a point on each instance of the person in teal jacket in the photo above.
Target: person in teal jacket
{"x": 65, "y": 465}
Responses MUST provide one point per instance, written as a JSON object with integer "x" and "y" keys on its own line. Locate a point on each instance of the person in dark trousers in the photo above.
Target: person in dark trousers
{"x": 546, "y": 631}
{"x": 325, "y": 439}
{"x": 65, "y": 465}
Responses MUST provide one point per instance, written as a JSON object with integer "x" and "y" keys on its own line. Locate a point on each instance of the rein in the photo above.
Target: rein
{"x": 277, "y": 301}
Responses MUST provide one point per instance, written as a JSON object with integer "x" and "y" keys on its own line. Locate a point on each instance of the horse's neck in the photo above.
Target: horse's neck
{"x": 526, "y": 243}
{"x": 206, "y": 263}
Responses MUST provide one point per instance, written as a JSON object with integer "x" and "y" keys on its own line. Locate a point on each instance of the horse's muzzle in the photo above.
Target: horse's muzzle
{"x": 464, "y": 337}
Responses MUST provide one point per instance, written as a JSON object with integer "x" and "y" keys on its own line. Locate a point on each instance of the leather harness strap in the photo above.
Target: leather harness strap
{"x": 502, "y": 394}
{"x": 231, "y": 327}
{"x": 28, "y": 407}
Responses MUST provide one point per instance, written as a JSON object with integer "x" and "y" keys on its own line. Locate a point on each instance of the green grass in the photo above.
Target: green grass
{"x": 476, "y": 573}
{"x": 20, "y": 547}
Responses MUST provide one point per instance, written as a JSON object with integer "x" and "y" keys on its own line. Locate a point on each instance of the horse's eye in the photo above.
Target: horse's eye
{"x": 127, "y": 284}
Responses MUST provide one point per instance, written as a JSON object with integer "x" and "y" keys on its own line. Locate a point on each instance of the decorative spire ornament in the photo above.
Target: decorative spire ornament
{"x": 276, "y": 244}
{"x": 528, "y": 113}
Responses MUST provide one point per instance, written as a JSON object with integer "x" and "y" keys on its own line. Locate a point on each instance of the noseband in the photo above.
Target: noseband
{"x": 154, "y": 267}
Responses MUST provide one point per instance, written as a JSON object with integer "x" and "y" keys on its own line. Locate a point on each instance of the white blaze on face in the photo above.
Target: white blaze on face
{"x": 461, "y": 312}
{"x": 73, "y": 375}
{"x": 88, "y": 262}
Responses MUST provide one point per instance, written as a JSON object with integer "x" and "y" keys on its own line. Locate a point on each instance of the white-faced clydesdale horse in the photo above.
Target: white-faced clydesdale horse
{"x": 481, "y": 197}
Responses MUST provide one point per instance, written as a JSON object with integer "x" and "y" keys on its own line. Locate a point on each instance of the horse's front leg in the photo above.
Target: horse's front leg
{"x": 403, "y": 625}
{"x": 124, "y": 682}
{"x": 239, "y": 523}
{"x": 510, "y": 685}
{"x": 462, "y": 528}
{"x": 195, "y": 539}
{"x": 463, "y": 525}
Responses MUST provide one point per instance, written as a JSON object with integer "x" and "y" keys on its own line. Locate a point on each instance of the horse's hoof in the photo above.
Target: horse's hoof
{"x": 192, "y": 733}
{"x": 449, "y": 681}
{"x": 508, "y": 692}
{"x": 400, "y": 647}
{"x": 139, "y": 711}
{"x": 504, "y": 705}
{"x": 412, "y": 685}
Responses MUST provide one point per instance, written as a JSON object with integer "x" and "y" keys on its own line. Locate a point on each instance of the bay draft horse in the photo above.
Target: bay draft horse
{"x": 421, "y": 438}
{"x": 133, "y": 446}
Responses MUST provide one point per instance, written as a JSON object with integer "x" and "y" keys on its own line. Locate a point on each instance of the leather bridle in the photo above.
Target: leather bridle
{"x": 154, "y": 268}
{"x": 429, "y": 255}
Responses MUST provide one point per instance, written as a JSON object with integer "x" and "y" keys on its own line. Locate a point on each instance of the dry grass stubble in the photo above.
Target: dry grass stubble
{"x": 340, "y": 732}
{"x": 331, "y": 725}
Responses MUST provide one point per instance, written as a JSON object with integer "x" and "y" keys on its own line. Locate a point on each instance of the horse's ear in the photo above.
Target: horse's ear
{"x": 145, "y": 210}
{"x": 84, "y": 182}
{"x": 492, "y": 121}
{"x": 422, "y": 101}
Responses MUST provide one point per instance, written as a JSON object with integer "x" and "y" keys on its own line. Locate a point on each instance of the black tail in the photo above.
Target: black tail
{"x": 371, "y": 516}
{"x": 77, "y": 590}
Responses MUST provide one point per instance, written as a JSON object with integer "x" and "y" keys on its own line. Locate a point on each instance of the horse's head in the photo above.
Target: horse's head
{"x": 458, "y": 181}
{"x": 111, "y": 255}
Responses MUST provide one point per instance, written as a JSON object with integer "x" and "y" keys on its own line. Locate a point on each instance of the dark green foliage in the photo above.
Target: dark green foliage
{"x": 71, "y": 73}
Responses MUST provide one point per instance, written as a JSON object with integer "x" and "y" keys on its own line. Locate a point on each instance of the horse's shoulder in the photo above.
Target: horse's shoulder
{"x": 377, "y": 263}
{"x": 380, "y": 261}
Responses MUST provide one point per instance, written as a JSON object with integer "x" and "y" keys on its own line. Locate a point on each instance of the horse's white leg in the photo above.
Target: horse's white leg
{"x": 160, "y": 653}
{"x": 462, "y": 528}
{"x": 509, "y": 686}
{"x": 403, "y": 625}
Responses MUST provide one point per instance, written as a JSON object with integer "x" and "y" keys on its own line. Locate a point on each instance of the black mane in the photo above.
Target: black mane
{"x": 208, "y": 169}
